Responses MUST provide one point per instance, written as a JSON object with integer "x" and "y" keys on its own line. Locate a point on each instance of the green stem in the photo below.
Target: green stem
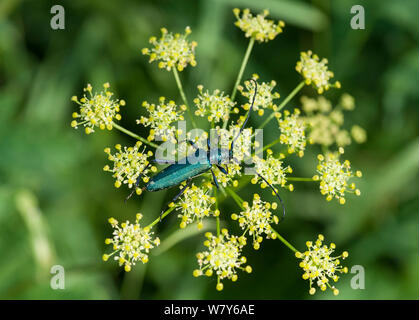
{"x": 182, "y": 94}
{"x": 236, "y": 197}
{"x": 162, "y": 217}
{"x": 282, "y": 105}
{"x": 218, "y": 217}
{"x": 240, "y": 75}
{"x": 289, "y": 245}
{"x": 135, "y": 136}
{"x": 299, "y": 179}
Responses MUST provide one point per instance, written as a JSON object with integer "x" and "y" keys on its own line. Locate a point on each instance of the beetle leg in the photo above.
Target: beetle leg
{"x": 137, "y": 183}
{"x": 222, "y": 169}
{"x": 215, "y": 179}
{"x": 276, "y": 193}
{"x": 177, "y": 196}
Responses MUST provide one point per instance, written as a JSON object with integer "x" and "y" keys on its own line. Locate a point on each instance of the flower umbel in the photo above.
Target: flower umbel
{"x": 258, "y": 26}
{"x": 272, "y": 169}
{"x": 194, "y": 205}
{"x": 131, "y": 242}
{"x": 264, "y": 97}
{"x": 172, "y": 50}
{"x": 334, "y": 177}
{"x": 128, "y": 164}
{"x": 315, "y": 72}
{"x": 223, "y": 257}
{"x": 214, "y": 105}
{"x": 161, "y": 116}
{"x": 319, "y": 266}
{"x": 96, "y": 110}
{"x": 293, "y": 131}
{"x": 257, "y": 219}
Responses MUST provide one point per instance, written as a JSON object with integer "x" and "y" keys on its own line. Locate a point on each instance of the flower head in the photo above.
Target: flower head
{"x": 258, "y": 27}
{"x": 214, "y": 105}
{"x": 264, "y": 97}
{"x": 272, "y": 169}
{"x": 293, "y": 131}
{"x": 257, "y": 219}
{"x": 347, "y": 102}
{"x": 334, "y": 177}
{"x": 222, "y": 258}
{"x": 315, "y": 72}
{"x": 131, "y": 242}
{"x": 161, "y": 116}
{"x": 321, "y": 104}
{"x": 172, "y": 50}
{"x": 319, "y": 266}
{"x": 96, "y": 110}
{"x": 359, "y": 134}
{"x": 128, "y": 164}
{"x": 194, "y": 205}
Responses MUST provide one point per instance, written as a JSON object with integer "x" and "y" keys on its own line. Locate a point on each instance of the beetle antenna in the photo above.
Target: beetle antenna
{"x": 248, "y": 114}
{"x": 276, "y": 193}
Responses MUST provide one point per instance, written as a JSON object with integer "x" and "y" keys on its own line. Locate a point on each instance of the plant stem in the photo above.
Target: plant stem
{"x": 135, "y": 136}
{"x": 236, "y": 197}
{"x": 240, "y": 75}
{"x": 162, "y": 217}
{"x": 289, "y": 245}
{"x": 283, "y": 103}
{"x": 216, "y": 208}
{"x": 182, "y": 94}
{"x": 299, "y": 179}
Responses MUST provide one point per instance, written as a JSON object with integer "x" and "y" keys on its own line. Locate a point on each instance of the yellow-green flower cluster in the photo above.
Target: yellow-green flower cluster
{"x": 359, "y": 134}
{"x": 315, "y": 72}
{"x": 128, "y": 164}
{"x": 264, "y": 97}
{"x": 272, "y": 169}
{"x": 130, "y": 242}
{"x": 319, "y": 266}
{"x": 96, "y": 110}
{"x": 334, "y": 177}
{"x": 161, "y": 116}
{"x": 293, "y": 131}
{"x": 195, "y": 205}
{"x": 214, "y": 105}
{"x": 324, "y": 123}
{"x": 257, "y": 219}
{"x": 222, "y": 258}
{"x": 172, "y": 50}
{"x": 258, "y": 27}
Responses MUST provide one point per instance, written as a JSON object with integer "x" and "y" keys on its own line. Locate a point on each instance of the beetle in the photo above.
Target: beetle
{"x": 187, "y": 170}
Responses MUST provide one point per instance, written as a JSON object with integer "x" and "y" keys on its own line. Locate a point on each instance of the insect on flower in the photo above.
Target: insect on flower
{"x": 185, "y": 170}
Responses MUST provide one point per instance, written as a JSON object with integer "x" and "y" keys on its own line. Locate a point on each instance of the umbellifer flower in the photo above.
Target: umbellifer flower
{"x": 319, "y": 266}
{"x": 259, "y": 28}
{"x": 293, "y": 131}
{"x": 315, "y": 72}
{"x": 172, "y": 50}
{"x": 214, "y": 105}
{"x": 128, "y": 164}
{"x": 222, "y": 258}
{"x": 334, "y": 177}
{"x": 194, "y": 205}
{"x": 272, "y": 169}
{"x": 264, "y": 97}
{"x": 257, "y": 219}
{"x": 96, "y": 110}
{"x": 161, "y": 116}
{"x": 131, "y": 242}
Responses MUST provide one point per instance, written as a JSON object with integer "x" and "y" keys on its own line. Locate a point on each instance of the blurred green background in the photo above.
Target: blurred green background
{"x": 55, "y": 199}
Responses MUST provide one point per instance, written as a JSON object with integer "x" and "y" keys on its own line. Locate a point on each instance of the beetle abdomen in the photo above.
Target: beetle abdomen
{"x": 175, "y": 174}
